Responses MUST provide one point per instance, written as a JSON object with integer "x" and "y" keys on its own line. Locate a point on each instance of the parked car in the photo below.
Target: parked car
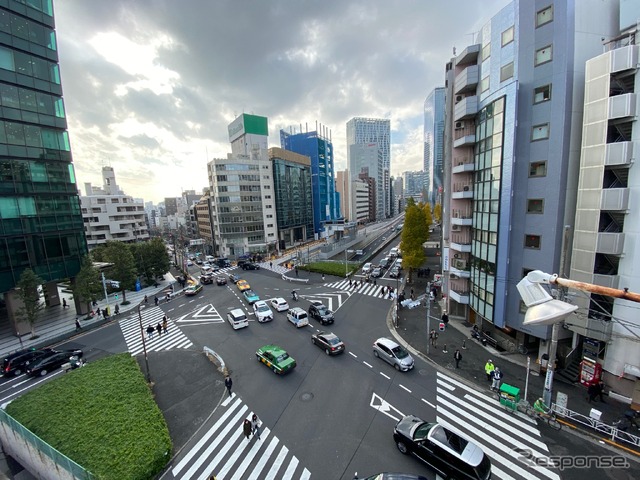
{"x": 251, "y": 266}
{"x": 329, "y": 342}
{"x": 276, "y": 358}
{"x": 298, "y": 317}
{"x": 192, "y": 290}
{"x": 234, "y": 278}
{"x": 279, "y": 304}
{"x": 262, "y": 311}
{"x": 377, "y": 272}
{"x": 16, "y": 363}
{"x": 449, "y": 453}
{"x": 320, "y": 312}
{"x": 51, "y": 362}
{"x": 251, "y": 296}
{"x": 221, "y": 281}
{"x": 393, "y": 353}
{"x": 367, "y": 267}
{"x": 243, "y": 285}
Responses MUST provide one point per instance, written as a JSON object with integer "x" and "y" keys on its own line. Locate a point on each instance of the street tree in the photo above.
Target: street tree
{"x": 27, "y": 289}
{"x": 426, "y": 209}
{"x": 414, "y": 234}
{"x": 437, "y": 213}
{"x": 159, "y": 259}
{"x": 88, "y": 283}
{"x": 124, "y": 266}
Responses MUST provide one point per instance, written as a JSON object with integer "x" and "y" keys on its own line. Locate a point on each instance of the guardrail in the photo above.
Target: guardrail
{"x": 291, "y": 279}
{"x": 601, "y": 427}
{"x": 216, "y": 359}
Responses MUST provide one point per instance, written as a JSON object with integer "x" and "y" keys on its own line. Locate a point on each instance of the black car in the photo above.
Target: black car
{"x": 16, "y": 363}
{"x": 321, "y": 313}
{"x": 329, "y": 342}
{"x": 250, "y": 266}
{"x": 234, "y": 278}
{"x": 51, "y": 362}
{"x": 221, "y": 281}
{"x": 206, "y": 279}
{"x": 394, "y": 273}
{"x": 447, "y": 452}
{"x": 393, "y": 476}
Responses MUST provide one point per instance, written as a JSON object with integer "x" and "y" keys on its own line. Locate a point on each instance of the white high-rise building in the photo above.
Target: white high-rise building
{"x": 374, "y": 131}
{"x": 366, "y": 159}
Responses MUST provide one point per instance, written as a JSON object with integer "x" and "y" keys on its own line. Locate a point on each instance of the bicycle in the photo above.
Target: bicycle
{"x": 520, "y": 348}
{"x": 550, "y": 417}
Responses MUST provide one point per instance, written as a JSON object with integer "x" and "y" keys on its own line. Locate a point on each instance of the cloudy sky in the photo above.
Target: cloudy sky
{"x": 151, "y": 85}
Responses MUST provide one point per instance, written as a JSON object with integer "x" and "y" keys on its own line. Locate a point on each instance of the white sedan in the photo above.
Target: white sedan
{"x": 279, "y": 304}
{"x": 262, "y": 311}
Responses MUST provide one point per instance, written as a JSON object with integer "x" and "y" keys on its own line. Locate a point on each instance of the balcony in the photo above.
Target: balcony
{"x": 467, "y": 107}
{"x": 459, "y": 268}
{"x": 460, "y": 243}
{"x": 622, "y": 106}
{"x": 610, "y": 243}
{"x": 464, "y": 134}
{"x": 462, "y": 165}
{"x": 610, "y": 281}
{"x": 462, "y": 190}
{"x": 624, "y": 58}
{"x": 614, "y": 199}
{"x": 461, "y": 219}
{"x": 461, "y": 296}
{"x": 467, "y": 80}
{"x": 468, "y": 55}
{"x": 620, "y": 153}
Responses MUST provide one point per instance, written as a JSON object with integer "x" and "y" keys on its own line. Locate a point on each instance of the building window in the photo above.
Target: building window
{"x": 532, "y": 241}
{"x": 269, "y": 225}
{"x": 538, "y": 169}
{"x": 542, "y": 94}
{"x": 544, "y": 16}
{"x": 486, "y": 51}
{"x": 507, "y": 36}
{"x": 539, "y": 132}
{"x": 543, "y": 55}
{"x": 484, "y": 84}
{"x": 506, "y": 72}
{"x": 268, "y": 206}
{"x": 535, "y": 205}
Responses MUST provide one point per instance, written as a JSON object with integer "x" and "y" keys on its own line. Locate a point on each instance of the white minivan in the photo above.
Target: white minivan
{"x": 237, "y": 318}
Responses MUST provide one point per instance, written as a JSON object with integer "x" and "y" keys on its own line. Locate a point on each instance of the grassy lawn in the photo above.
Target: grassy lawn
{"x": 330, "y": 268}
{"x": 102, "y": 416}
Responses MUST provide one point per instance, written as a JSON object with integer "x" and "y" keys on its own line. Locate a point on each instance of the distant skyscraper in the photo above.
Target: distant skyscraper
{"x": 41, "y": 224}
{"x": 374, "y": 130}
{"x": 326, "y": 207}
{"x": 434, "y": 142}
{"x": 366, "y": 158}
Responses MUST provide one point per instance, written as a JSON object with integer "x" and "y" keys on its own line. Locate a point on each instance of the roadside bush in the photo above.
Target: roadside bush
{"x": 102, "y": 416}
{"x": 330, "y": 268}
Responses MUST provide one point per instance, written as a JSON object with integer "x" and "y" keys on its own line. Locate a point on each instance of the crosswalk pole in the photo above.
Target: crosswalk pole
{"x": 144, "y": 346}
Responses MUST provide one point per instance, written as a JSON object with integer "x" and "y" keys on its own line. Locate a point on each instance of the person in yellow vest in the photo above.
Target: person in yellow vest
{"x": 489, "y": 368}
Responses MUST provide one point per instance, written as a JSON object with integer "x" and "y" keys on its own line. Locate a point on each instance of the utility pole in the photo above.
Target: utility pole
{"x": 144, "y": 346}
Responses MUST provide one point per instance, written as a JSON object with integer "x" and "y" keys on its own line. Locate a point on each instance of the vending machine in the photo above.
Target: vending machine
{"x": 590, "y": 372}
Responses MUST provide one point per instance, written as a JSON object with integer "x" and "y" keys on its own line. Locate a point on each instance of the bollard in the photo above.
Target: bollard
{"x": 464, "y": 344}
{"x": 444, "y": 349}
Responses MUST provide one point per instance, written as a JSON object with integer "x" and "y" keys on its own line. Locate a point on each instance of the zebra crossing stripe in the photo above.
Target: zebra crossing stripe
{"x": 133, "y": 334}
{"x": 263, "y": 460}
{"x": 277, "y": 464}
{"x": 248, "y": 458}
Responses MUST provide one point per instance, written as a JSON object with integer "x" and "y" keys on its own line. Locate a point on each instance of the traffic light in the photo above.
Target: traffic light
{"x": 441, "y": 326}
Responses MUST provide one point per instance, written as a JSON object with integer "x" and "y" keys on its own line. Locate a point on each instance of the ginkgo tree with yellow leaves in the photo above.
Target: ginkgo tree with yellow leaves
{"x": 414, "y": 233}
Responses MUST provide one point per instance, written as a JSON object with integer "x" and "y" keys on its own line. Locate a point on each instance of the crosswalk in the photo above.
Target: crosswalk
{"x": 223, "y": 451}
{"x": 508, "y": 440}
{"x": 377, "y": 291}
{"x": 133, "y": 332}
{"x": 279, "y": 269}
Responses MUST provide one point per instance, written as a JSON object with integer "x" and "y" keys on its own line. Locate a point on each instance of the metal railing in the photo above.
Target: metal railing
{"x": 610, "y": 431}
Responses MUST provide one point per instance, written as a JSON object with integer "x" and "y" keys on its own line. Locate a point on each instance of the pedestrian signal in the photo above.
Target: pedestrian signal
{"x": 116, "y": 296}
{"x": 441, "y": 326}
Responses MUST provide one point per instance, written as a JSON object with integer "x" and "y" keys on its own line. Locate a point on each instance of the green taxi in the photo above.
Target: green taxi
{"x": 276, "y": 358}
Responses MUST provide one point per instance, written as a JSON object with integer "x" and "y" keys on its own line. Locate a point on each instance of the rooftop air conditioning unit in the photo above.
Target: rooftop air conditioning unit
{"x": 466, "y": 188}
{"x": 459, "y": 125}
{"x": 455, "y": 228}
{"x": 456, "y": 255}
{"x": 460, "y": 264}
{"x": 459, "y": 98}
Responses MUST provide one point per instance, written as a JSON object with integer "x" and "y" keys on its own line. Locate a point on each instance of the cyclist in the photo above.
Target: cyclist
{"x": 540, "y": 407}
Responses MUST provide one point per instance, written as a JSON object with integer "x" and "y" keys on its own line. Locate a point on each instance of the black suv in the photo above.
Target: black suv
{"x": 250, "y": 266}
{"x": 17, "y": 363}
{"x": 321, "y": 313}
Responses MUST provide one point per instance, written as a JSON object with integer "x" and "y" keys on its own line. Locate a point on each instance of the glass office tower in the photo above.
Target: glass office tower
{"x": 40, "y": 219}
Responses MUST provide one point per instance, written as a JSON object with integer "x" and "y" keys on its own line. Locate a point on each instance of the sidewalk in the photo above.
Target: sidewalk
{"x": 57, "y": 323}
{"x": 412, "y": 330}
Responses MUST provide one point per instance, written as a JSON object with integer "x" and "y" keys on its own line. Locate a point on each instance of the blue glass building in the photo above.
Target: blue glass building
{"x": 326, "y": 203}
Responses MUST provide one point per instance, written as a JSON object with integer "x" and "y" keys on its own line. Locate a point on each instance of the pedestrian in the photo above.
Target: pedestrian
{"x": 271, "y": 265}
{"x": 150, "y": 331}
{"x": 255, "y": 425}
{"x": 457, "y": 356}
{"x": 105, "y": 313}
{"x": 412, "y": 294}
{"x": 350, "y": 282}
{"x": 496, "y": 377}
{"x": 228, "y": 383}
{"x": 375, "y": 282}
{"x": 64, "y": 303}
{"x": 171, "y": 289}
{"x": 117, "y": 309}
{"x": 246, "y": 428}
{"x": 592, "y": 392}
{"x": 168, "y": 298}
{"x": 78, "y": 326}
{"x": 428, "y": 272}
{"x": 488, "y": 368}
{"x": 159, "y": 329}
{"x": 164, "y": 324}
{"x": 155, "y": 299}
{"x": 433, "y": 336}
{"x": 445, "y": 319}
{"x": 600, "y": 391}
{"x": 323, "y": 277}
{"x": 95, "y": 304}
{"x": 146, "y": 300}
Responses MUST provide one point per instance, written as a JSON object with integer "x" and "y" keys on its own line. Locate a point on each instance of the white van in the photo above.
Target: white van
{"x": 237, "y": 318}
{"x": 394, "y": 251}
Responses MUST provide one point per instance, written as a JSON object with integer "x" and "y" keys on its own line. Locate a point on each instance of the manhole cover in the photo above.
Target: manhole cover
{"x": 422, "y": 371}
{"x": 307, "y": 396}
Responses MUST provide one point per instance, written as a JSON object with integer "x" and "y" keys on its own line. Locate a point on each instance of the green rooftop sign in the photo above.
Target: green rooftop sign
{"x": 249, "y": 124}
